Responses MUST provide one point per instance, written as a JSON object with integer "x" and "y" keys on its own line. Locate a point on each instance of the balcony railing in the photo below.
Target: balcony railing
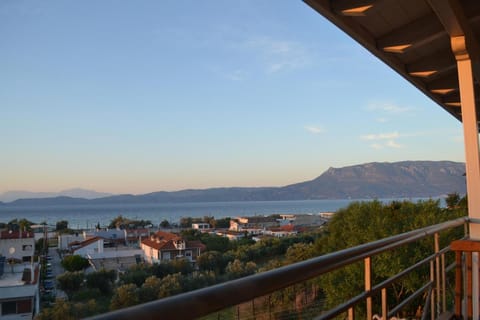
{"x": 206, "y": 301}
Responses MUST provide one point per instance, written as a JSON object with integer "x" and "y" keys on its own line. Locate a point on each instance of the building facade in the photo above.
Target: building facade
{"x": 164, "y": 246}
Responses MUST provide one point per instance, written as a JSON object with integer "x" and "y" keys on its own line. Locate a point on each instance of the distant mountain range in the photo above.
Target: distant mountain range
{"x": 407, "y": 179}
{"x": 72, "y": 193}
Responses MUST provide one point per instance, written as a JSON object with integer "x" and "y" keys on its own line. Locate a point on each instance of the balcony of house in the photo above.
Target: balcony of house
{"x": 447, "y": 288}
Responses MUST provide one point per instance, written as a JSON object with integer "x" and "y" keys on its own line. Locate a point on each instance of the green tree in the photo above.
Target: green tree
{"x": 299, "y": 252}
{"x": 70, "y": 281}
{"x": 61, "y": 225}
{"x": 170, "y": 285}
{"x": 164, "y": 224}
{"x": 62, "y": 310}
{"x": 75, "y": 263}
{"x": 213, "y": 261}
{"x": 452, "y": 200}
{"x": 186, "y": 222}
{"x": 125, "y": 296}
{"x": 198, "y": 280}
{"x": 87, "y": 309}
{"x": 102, "y": 280}
{"x": 17, "y": 225}
{"x": 210, "y": 220}
{"x": 222, "y": 223}
{"x": 215, "y": 243}
{"x": 150, "y": 289}
{"x": 238, "y": 269}
{"x": 136, "y": 275}
{"x": 181, "y": 265}
{"x": 363, "y": 222}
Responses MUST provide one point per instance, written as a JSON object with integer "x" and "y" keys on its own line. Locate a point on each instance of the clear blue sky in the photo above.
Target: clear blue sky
{"x": 139, "y": 96}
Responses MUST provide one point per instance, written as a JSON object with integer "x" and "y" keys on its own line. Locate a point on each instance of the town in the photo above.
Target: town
{"x": 34, "y": 257}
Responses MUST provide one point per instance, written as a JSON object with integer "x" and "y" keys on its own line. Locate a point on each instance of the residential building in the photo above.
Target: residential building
{"x": 89, "y": 246}
{"x": 111, "y": 237}
{"x": 41, "y": 231}
{"x": 200, "y": 226}
{"x": 164, "y": 246}
{"x": 310, "y": 220}
{"x": 65, "y": 240}
{"x": 19, "y": 290}
{"x": 231, "y": 235}
{"x": 252, "y": 224}
{"x": 283, "y": 231}
{"x": 17, "y": 245}
{"x": 135, "y": 236}
{"x": 118, "y": 258}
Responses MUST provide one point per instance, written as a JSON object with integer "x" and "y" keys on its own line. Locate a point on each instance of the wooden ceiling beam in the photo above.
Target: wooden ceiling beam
{"x": 447, "y": 82}
{"x": 433, "y": 65}
{"x": 417, "y": 33}
{"x": 453, "y": 100}
{"x": 352, "y": 7}
{"x": 463, "y": 41}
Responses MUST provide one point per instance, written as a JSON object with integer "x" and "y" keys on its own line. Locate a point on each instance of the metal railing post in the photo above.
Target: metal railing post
{"x": 444, "y": 286}
{"x": 475, "y": 284}
{"x": 368, "y": 285}
{"x": 432, "y": 301}
{"x": 384, "y": 304}
{"x": 437, "y": 272}
{"x": 351, "y": 314}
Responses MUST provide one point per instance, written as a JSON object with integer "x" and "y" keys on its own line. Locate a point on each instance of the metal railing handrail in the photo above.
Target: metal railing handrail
{"x": 207, "y": 300}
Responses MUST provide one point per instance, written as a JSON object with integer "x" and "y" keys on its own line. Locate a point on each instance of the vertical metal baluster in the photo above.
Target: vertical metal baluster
{"x": 437, "y": 273}
{"x": 368, "y": 285}
{"x": 384, "y": 304}
{"x": 432, "y": 301}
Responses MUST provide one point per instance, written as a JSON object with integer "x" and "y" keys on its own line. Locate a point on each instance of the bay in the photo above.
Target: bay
{"x": 89, "y": 215}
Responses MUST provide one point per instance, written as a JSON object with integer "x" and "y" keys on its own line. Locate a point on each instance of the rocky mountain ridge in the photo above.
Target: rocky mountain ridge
{"x": 406, "y": 179}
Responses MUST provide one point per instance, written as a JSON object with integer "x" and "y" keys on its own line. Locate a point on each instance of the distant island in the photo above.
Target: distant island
{"x": 376, "y": 180}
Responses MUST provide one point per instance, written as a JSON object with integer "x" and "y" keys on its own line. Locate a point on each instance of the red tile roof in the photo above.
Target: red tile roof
{"x": 162, "y": 235}
{"x": 15, "y": 234}
{"x": 165, "y": 241}
{"x": 87, "y": 242}
{"x": 196, "y": 244}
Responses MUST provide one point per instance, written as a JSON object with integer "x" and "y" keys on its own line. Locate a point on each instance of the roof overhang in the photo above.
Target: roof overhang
{"x": 420, "y": 39}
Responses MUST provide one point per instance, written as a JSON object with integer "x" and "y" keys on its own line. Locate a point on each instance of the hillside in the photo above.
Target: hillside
{"x": 407, "y": 179}
{"x": 384, "y": 180}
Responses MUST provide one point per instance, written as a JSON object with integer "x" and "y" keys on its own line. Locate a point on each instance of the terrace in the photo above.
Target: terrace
{"x": 434, "y": 45}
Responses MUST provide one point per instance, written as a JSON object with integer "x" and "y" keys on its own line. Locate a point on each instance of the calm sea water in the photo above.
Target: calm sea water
{"x": 85, "y": 216}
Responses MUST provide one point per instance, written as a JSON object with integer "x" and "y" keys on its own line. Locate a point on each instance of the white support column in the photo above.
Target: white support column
{"x": 470, "y": 132}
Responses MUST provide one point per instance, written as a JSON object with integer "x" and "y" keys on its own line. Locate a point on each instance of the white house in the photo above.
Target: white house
{"x": 165, "y": 246}
{"x": 64, "y": 240}
{"x": 19, "y": 291}
{"x": 17, "y": 245}
{"x": 89, "y": 246}
{"x": 112, "y": 237}
{"x": 200, "y": 226}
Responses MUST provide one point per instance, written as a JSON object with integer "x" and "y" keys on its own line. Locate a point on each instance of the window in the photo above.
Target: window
{"x": 165, "y": 255}
{"x": 24, "y": 306}
{"x": 9, "y": 307}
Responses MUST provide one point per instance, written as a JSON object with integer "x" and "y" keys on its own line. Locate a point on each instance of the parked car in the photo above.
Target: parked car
{"x": 48, "y": 284}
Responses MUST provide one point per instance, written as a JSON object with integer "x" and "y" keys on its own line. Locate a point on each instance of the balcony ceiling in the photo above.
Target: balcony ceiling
{"x": 417, "y": 38}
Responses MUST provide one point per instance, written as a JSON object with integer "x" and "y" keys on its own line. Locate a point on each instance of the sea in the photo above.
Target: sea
{"x": 89, "y": 215}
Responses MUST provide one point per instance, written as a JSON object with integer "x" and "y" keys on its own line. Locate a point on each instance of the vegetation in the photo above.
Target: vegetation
{"x": 121, "y": 222}
{"x": 363, "y": 222}
{"x": 225, "y": 260}
{"x": 74, "y": 263}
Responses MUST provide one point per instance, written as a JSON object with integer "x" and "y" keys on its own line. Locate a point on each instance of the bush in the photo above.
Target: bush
{"x": 75, "y": 263}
